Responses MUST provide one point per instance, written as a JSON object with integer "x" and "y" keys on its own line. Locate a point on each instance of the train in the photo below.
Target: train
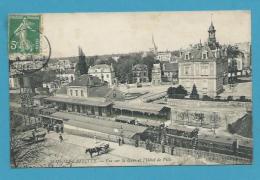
{"x": 178, "y": 136}
{"x": 181, "y": 136}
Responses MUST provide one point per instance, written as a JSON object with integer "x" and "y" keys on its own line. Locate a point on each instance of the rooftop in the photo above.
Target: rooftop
{"x": 100, "y": 66}
{"x": 100, "y": 102}
{"x": 170, "y": 67}
{"x": 40, "y": 96}
{"x": 141, "y": 107}
{"x": 139, "y": 67}
{"x": 86, "y": 80}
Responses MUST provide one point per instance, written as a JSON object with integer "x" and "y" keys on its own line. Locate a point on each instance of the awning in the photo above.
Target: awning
{"x": 78, "y": 101}
{"x": 142, "y": 107}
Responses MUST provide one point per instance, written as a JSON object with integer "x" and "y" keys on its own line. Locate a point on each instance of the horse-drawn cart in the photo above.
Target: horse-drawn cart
{"x": 34, "y": 136}
{"x": 99, "y": 148}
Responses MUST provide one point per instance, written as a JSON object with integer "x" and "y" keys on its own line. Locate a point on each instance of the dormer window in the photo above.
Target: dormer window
{"x": 205, "y": 55}
{"x": 188, "y": 56}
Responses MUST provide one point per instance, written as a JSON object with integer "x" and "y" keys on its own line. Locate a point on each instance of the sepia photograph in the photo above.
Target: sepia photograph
{"x": 130, "y": 89}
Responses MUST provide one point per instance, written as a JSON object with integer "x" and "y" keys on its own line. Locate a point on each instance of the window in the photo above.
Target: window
{"x": 186, "y": 70}
{"x": 82, "y": 94}
{"x": 204, "y": 70}
{"x": 107, "y": 75}
{"x": 71, "y": 92}
{"x": 205, "y": 55}
{"x": 188, "y": 56}
{"x": 76, "y": 92}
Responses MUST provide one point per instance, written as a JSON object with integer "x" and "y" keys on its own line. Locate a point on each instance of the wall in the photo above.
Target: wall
{"x": 209, "y": 104}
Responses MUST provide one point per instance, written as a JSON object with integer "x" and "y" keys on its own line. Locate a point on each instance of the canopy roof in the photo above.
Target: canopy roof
{"x": 141, "y": 107}
{"x": 80, "y": 101}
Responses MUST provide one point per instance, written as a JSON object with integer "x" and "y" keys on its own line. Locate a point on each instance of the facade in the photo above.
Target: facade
{"x": 140, "y": 73}
{"x": 52, "y": 86}
{"x": 14, "y": 83}
{"x": 204, "y": 65}
{"x": 67, "y": 75}
{"x": 170, "y": 72}
{"x": 174, "y": 59}
{"x": 38, "y": 100}
{"x": 103, "y": 72}
{"x": 86, "y": 95}
{"x": 156, "y": 74}
{"x": 164, "y": 56}
{"x": 245, "y": 48}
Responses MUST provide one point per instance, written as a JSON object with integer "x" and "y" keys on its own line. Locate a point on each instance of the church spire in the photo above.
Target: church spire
{"x": 155, "y": 48}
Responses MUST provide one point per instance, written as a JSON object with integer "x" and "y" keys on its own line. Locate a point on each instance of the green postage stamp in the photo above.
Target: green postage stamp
{"x": 24, "y": 34}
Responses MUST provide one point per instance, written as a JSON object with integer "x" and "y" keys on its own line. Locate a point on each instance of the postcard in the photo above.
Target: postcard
{"x": 130, "y": 89}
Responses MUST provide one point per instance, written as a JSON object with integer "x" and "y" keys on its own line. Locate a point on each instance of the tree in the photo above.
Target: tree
{"x": 81, "y": 67}
{"x": 21, "y": 153}
{"x": 194, "y": 93}
{"x": 232, "y": 53}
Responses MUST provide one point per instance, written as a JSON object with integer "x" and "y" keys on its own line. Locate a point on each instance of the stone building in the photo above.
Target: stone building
{"x": 104, "y": 72}
{"x": 170, "y": 72}
{"x": 87, "y": 95}
{"x": 164, "y": 56}
{"x": 156, "y": 74}
{"x": 204, "y": 65}
{"x": 67, "y": 75}
{"x": 140, "y": 73}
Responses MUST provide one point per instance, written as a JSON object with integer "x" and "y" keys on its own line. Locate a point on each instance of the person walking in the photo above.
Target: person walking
{"x": 119, "y": 141}
{"x": 61, "y": 138}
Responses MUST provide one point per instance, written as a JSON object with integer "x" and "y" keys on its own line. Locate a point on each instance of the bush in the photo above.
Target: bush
{"x": 230, "y": 129}
{"x": 242, "y": 98}
{"x": 217, "y": 98}
{"x": 230, "y": 98}
{"x": 206, "y": 98}
{"x": 176, "y": 93}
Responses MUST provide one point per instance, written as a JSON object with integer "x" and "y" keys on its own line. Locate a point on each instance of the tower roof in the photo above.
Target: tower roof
{"x": 211, "y": 27}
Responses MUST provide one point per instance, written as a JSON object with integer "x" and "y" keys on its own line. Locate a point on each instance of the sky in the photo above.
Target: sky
{"x": 112, "y": 33}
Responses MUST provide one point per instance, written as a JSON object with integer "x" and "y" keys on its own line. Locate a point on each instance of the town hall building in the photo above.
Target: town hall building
{"x": 204, "y": 65}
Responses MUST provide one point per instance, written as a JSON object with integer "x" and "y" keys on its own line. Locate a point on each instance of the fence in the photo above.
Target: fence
{"x": 216, "y": 104}
{"x": 215, "y": 157}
